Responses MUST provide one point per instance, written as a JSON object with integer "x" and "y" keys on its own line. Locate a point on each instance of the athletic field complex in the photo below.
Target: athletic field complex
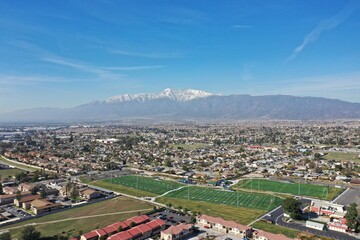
{"x": 298, "y": 189}
{"x": 146, "y": 184}
{"x": 176, "y": 190}
{"x": 236, "y": 199}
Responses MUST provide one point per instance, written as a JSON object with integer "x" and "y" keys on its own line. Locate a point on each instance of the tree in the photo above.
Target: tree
{"x": 167, "y": 163}
{"x": 74, "y": 194}
{"x": 61, "y": 237}
{"x": 120, "y": 228}
{"x": 43, "y": 193}
{"x": 35, "y": 190}
{"x": 293, "y": 207}
{"x": 68, "y": 187}
{"x": 132, "y": 224}
{"x": 1, "y": 189}
{"x": 18, "y": 195}
{"x": 5, "y": 236}
{"x": 317, "y": 156}
{"x": 36, "y": 176}
{"x": 352, "y": 217}
{"x": 193, "y": 220}
{"x": 30, "y": 233}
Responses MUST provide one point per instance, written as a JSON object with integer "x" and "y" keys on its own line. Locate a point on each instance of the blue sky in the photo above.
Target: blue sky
{"x": 66, "y": 53}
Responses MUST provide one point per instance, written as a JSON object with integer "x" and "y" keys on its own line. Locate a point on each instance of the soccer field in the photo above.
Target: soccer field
{"x": 145, "y": 184}
{"x": 237, "y": 199}
{"x": 301, "y": 189}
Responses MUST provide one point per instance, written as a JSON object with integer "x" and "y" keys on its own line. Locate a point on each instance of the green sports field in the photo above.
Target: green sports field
{"x": 237, "y": 199}
{"x": 145, "y": 184}
{"x": 319, "y": 191}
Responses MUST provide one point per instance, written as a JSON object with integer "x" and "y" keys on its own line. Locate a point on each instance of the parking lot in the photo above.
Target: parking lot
{"x": 351, "y": 195}
{"x": 171, "y": 217}
{"x": 16, "y": 212}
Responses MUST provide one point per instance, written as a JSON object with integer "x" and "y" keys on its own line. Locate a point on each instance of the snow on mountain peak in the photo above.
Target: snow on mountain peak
{"x": 176, "y": 95}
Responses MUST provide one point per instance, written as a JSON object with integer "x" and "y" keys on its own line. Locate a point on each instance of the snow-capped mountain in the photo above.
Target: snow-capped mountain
{"x": 185, "y": 105}
{"x": 175, "y": 95}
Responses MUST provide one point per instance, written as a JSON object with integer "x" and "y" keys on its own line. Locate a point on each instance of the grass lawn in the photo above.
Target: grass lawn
{"x": 121, "y": 189}
{"x": 238, "y": 214}
{"x": 145, "y": 184}
{"x": 28, "y": 168}
{"x": 230, "y": 198}
{"x": 291, "y": 233}
{"x": 342, "y": 156}
{"x": 72, "y": 227}
{"x": 4, "y": 173}
{"x": 323, "y": 192}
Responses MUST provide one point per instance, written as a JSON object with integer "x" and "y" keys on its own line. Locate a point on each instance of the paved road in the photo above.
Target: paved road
{"x": 276, "y": 217}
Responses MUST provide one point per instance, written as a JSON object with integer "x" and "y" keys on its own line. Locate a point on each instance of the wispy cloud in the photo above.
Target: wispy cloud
{"x": 106, "y": 73}
{"x": 100, "y": 72}
{"x": 16, "y": 79}
{"x": 134, "y": 68}
{"x": 344, "y": 86}
{"x": 241, "y": 26}
{"x": 147, "y": 55}
{"x": 325, "y": 25}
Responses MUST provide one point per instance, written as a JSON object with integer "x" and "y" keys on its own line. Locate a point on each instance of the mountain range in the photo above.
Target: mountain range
{"x": 180, "y": 105}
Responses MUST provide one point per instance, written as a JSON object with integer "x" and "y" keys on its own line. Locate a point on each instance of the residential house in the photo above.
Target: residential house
{"x": 25, "y": 187}
{"x": 9, "y": 198}
{"x": 224, "y": 226}
{"x": 24, "y": 202}
{"x": 10, "y": 190}
{"x": 89, "y": 194}
{"x": 93, "y": 235}
{"x": 39, "y": 206}
{"x": 177, "y": 232}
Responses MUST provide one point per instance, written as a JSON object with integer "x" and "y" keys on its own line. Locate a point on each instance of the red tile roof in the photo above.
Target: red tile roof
{"x": 135, "y": 231}
{"x": 121, "y": 236}
{"x": 128, "y": 222}
{"x": 156, "y": 223}
{"x": 139, "y": 219}
{"x": 90, "y": 235}
{"x": 174, "y": 230}
{"x": 124, "y": 225}
{"x": 101, "y": 232}
{"x": 144, "y": 228}
{"x": 110, "y": 229}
